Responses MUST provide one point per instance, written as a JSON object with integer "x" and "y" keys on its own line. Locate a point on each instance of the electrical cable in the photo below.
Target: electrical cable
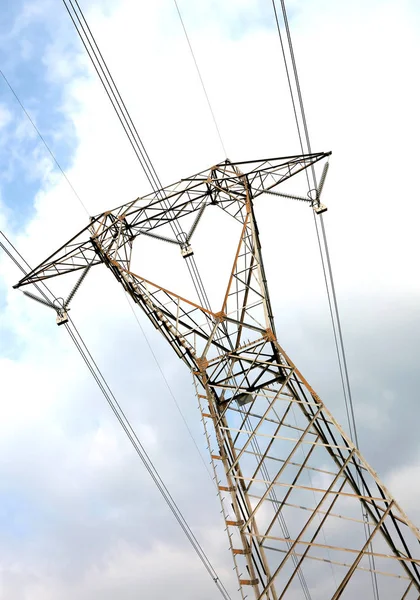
{"x": 125, "y": 424}
{"x": 22, "y": 269}
{"x": 346, "y": 371}
{"x": 128, "y": 429}
{"x": 88, "y": 40}
{"x": 84, "y": 207}
{"x": 314, "y": 216}
{"x": 113, "y": 95}
{"x": 328, "y": 274}
{"x": 154, "y": 181}
{"x": 254, "y": 443}
{"x": 126, "y": 125}
{"x": 327, "y": 269}
{"x": 200, "y": 77}
{"x": 168, "y": 386}
{"x": 309, "y": 186}
{"x": 135, "y": 315}
{"x": 289, "y": 80}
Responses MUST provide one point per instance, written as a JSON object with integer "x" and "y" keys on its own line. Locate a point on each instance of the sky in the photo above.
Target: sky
{"x": 78, "y": 515}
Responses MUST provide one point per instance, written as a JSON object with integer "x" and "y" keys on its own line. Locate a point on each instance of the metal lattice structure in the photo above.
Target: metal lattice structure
{"x": 301, "y": 504}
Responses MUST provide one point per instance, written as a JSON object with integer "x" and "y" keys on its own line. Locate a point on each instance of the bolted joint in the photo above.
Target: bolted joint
{"x": 220, "y": 316}
{"x": 269, "y": 335}
{"x": 202, "y": 364}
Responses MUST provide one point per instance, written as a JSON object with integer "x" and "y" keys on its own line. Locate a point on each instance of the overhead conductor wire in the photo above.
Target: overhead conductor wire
{"x": 88, "y": 40}
{"x": 99, "y": 378}
{"x": 154, "y": 181}
{"x": 326, "y": 265}
{"x": 200, "y": 78}
{"x": 92, "y": 49}
{"x": 254, "y": 443}
{"x": 42, "y": 138}
{"x": 122, "y": 419}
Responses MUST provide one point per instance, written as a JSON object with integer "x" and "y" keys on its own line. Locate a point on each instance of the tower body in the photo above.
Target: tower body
{"x": 306, "y": 516}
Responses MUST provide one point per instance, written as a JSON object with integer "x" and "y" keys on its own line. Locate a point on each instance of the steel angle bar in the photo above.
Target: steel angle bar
{"x": 341, "y": 564}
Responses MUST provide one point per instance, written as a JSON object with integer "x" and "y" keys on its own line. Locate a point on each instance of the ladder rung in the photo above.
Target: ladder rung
{"x": 207, "y": 415}
{"x": 240, "y": 551}
{"x": 224, "y": 488}
{"x": 235, "y": 523}
{"x": 215, "y": 457}
{"x": 249, "y": 581}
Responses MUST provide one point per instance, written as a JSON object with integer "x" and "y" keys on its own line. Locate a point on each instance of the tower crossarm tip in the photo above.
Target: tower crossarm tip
{"x": 77, "y": 253}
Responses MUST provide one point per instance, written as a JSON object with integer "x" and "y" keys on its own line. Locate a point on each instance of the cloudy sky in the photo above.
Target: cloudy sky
{"x": 78, "y": 514}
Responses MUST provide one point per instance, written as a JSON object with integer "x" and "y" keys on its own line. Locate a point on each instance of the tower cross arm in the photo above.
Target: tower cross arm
{"x": 170, "y": 214}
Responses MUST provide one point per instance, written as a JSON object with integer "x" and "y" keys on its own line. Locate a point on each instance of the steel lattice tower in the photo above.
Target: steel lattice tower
{"x": 298, "y": 497}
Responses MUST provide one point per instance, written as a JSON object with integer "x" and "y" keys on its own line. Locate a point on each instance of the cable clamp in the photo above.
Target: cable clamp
{"x": 186, "y": 250}
{"x": 62, "y": 317}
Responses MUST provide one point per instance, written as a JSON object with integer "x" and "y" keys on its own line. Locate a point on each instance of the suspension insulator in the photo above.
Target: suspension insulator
{"x": 323, "y": 176}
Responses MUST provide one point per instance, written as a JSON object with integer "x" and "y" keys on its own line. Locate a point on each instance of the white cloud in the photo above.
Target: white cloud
{"x": 5, "y": 116}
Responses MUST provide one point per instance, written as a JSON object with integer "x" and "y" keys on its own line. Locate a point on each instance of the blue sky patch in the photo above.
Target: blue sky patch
{"x": 22, "y": 154}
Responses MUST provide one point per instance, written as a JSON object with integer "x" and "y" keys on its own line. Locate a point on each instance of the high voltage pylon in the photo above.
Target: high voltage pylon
{"x": 290, "y": 480}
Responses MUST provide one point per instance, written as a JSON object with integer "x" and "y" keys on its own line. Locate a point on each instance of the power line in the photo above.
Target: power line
{"x": 168, "y": 386}
{"x": 200, "y": 77}
{"x": 21, "y": 268}
{"x": 88, "y": 40}
{"x": 289, "y": 81}
{"x": 140, "y": 450}
{"x": 102, "y": 70}
{"x": 126, "y": 426}
{"x": 326, "y": 264}
{"x": 155, "y": 182}
{"x": 135, "y": 315}
{"x": 153, "y": 178}
{"x": 323, "y": 263}
{"x": 327, "y": 270}
{"x": 127, "y": 123}
{"x": 255, "y": 444}
{"x": 105, "y": 77}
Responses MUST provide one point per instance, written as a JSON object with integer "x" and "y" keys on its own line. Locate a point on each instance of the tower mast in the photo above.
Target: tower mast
{"x": 290, "y": 480}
